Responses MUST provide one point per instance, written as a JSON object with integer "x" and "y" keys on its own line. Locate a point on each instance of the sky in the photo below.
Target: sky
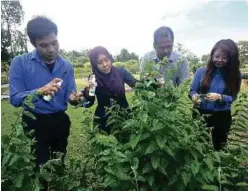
{"x": 130, "y": 24}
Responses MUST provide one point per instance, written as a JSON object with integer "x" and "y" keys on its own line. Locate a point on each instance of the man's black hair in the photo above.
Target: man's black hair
{"x": 163, "y": 32}
{"x": 40, "y": 27}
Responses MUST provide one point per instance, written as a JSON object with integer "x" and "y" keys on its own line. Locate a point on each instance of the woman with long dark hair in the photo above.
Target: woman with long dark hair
{"x": 215, "y": 87}
{"x": 110, "y": 85}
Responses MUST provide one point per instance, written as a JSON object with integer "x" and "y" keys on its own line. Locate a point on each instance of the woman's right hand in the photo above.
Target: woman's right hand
{"x": 88, "y": 86}
{"x": 196, "y": 99}
{"x": 86, "y": 90}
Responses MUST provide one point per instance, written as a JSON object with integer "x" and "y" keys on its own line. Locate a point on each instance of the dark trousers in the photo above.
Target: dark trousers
{"x": 221, "y": 122}
{"x": 51, "y": 132}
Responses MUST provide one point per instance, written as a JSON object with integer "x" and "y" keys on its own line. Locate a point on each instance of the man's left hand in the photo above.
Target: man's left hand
{"x": 76, "y": 98}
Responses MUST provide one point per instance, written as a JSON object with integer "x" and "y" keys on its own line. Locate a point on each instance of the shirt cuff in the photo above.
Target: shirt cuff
{"x": 226, "y": 98}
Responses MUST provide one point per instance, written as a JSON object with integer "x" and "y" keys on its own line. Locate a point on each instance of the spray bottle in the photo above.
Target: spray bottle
{"x": 49, "y": 97}
{"x": 93, "y": 87}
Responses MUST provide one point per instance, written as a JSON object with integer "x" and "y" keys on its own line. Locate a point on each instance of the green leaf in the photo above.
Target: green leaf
{"x": 109, "y": 180}
{"x": 162, "y": 170}
{"x": 152, "y": 108}
{"x": 121, "y": 175}
{"x": 145, "y": 136}
{"x": 151, "y": 148}
{"x": 105, "y": 152}
{"x": 109, "y": 171}
{"x": 131, "y": 123}
{"x": 195, "y": 167}
{"x": 169, "y": 151}
{"x": 210, "y": 187}
{"x": 6, "y": 158}
{"x": 172, "y": 180}
{"x": 19, "y": 179}
{"x": 147, "y": 168}
{"x": 141, "y": 178}
{"x": 209, "y": 163}
{"x": 155, "y": 161}
{"x": 29, "y": 114}
{"x": 13, "y": 160}
{"x": 226, "y": 182}
{"x": 217, "y": 156}
{"x": 120, "y": 154}
{"x": 157, "y": 125}
{"x": 151, "y": 180}
{"x": 199, "y": 147}
{"x": 47, "y": 176}
{"x": 135, "y": 163}
{"x": 186, "y": 178}
{"x": 134, "y": 141}
{"x": 242, "y": 184}
{"x": 160, "y": 140}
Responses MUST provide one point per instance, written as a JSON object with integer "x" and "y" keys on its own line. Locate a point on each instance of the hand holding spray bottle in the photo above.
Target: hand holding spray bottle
{"x": 93, "y": 85}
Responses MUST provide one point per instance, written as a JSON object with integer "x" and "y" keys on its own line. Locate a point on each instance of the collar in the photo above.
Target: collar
{"x": 171, "y": 57}
{"x": 35, "y": 55}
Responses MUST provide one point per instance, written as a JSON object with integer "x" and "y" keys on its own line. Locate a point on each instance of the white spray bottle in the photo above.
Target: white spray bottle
{"x": 94, "y": 84}
{"x": 49, "y": 97}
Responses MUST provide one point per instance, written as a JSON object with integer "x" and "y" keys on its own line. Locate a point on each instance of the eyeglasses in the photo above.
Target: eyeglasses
{"x": 219, "y": 58}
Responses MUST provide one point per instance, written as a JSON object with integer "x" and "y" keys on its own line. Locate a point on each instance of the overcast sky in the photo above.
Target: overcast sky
{"x": 116, "y": 24}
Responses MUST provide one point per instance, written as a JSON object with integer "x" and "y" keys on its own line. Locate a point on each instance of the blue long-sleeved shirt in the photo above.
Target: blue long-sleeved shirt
{"x": 28, "y": 73}
{"x": 217, "y": 86}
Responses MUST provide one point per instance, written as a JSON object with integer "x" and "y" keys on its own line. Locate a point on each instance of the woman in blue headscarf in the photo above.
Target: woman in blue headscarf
{"x": 110, "y": 85}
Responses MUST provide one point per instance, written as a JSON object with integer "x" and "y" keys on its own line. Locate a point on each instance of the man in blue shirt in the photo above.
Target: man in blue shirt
{"x": 39, "y": 72}
{"x": 163, "y": 48}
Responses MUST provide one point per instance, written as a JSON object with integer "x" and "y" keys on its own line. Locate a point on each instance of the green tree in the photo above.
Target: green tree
{"x": 78, "y": 58}
{"x": 13, "y": 40}
{"x": 243, "y": 51}
{"x": 179, "y": 47}
{"x": 194, "y": 61}
{"x": 125, "y": 56}
{"x": 205, "y": 58}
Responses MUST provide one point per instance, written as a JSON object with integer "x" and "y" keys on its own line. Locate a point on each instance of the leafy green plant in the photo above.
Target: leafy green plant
{"x": 155, "y": 144}
{"x": 158, "y": 146}
{"x": 18, "y": 162}
{"x": 234, "y": 159}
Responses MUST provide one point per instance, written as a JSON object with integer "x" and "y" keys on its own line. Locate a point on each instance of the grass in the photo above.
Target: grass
{"x": 244, "y": 84}
{"x": 4, "y": 90}
{"x": 81, "y": 83}
{"x": 76, "y": 143}
{"x": 9, "y": 115}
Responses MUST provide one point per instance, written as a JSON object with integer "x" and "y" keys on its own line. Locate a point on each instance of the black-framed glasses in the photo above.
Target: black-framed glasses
{"x": 219, "y": 58}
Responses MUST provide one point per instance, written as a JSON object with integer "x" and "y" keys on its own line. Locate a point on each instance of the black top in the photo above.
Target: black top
{"x": 104, "y": 96}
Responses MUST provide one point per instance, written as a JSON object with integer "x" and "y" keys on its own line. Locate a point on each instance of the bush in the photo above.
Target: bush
{"x": 156, "y": 146}
{"x": 132, "y": 66}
